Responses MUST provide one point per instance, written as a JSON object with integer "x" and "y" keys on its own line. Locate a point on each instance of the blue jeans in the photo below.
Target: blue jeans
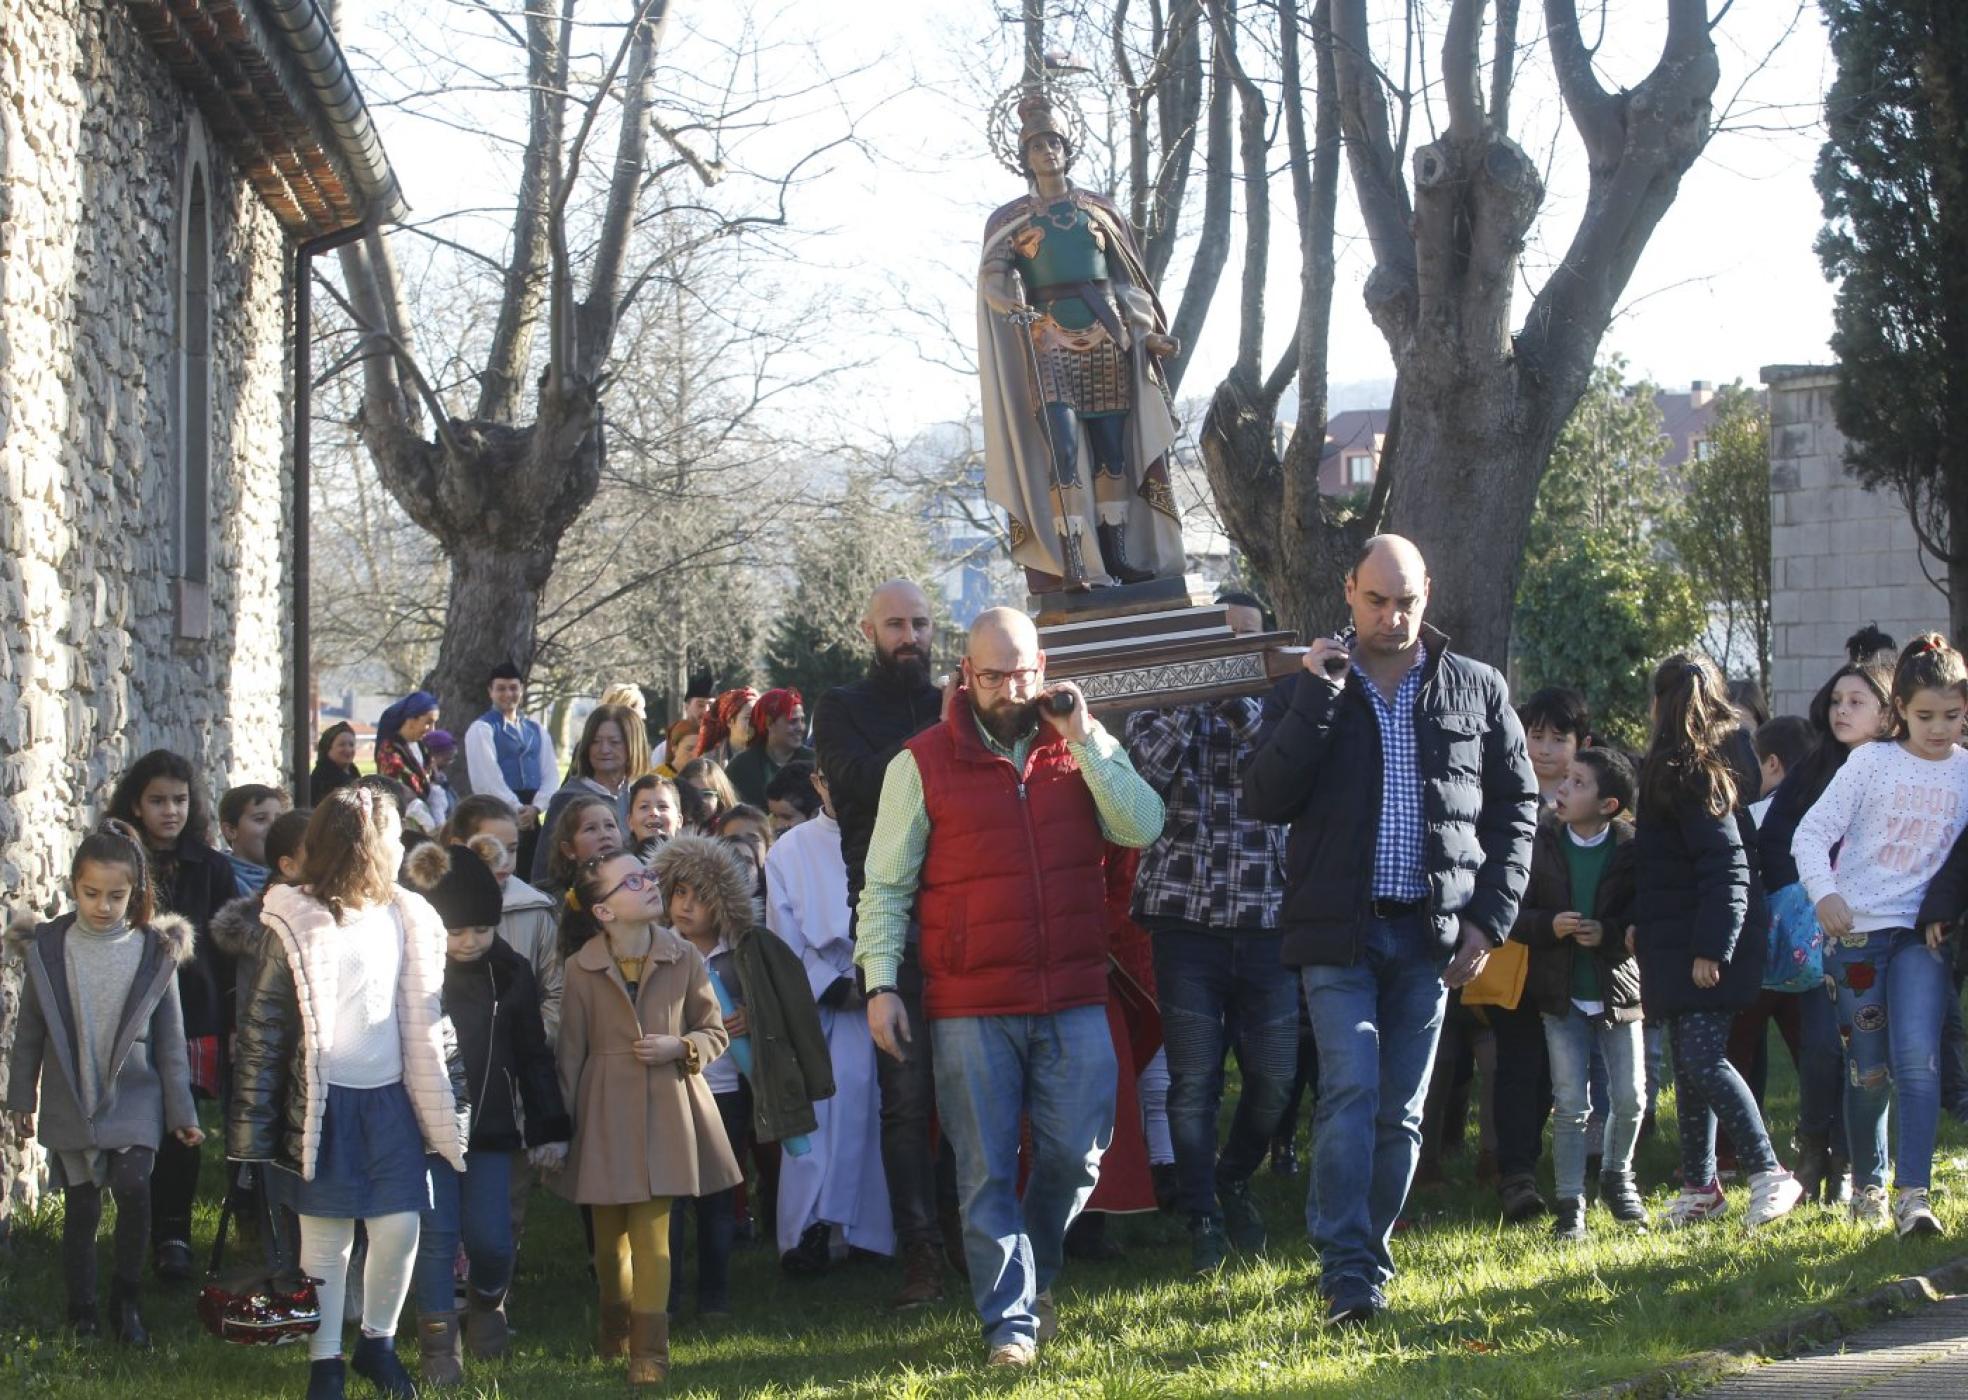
{"x": 1571, "y": 1039}
{"x": 1892, "y": 1002}
{"x": 1218, "y": 989}
{"x": 1376, "y": 1023}
{"x": 475, "y": 1205}
{"x": 991, "y": 1071}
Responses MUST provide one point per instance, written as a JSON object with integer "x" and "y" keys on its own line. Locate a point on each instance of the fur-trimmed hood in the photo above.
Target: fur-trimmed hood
{"x": 236, "y": 929}
{"x": 173, "y": 931}
{"x": 714, "y": 874}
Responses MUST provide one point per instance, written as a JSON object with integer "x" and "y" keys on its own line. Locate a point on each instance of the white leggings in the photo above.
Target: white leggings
{"x": 325, "y": 1246}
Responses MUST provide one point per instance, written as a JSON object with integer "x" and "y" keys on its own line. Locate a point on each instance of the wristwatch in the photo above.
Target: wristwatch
{"x": 889, "y": 989}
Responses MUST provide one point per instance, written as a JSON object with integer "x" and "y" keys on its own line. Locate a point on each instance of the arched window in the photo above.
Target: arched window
{"x": 191, "y": 504}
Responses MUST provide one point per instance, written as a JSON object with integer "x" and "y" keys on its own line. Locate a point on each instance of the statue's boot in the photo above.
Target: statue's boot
{"x": 1073, "y": 559}
{"x": 1113, "y": 549}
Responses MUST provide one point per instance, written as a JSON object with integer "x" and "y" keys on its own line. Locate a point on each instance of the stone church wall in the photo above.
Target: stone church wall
{"x": 95, "y": 146}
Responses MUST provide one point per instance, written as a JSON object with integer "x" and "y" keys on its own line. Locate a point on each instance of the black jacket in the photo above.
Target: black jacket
{"x": 1549, "y": 894}
{"x": 1699, "y": 894}
{"x": 202, "y": 882}
{"x": 1318, "y": 766}
{"x": 857, "y": 729}
{"x": 494, "y": 1007}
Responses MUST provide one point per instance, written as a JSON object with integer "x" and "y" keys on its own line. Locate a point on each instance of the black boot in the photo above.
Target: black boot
{"x": 82, "y": 1320}
{"x": 1813, "y": 1169}
{"x": 376, "y": 1362}
{"x": 326, "y": 1380}
{"x": 1622, "y": 1198}
{"x": 1568, "y": 1218}
{"x": 1113, "y": 549}
{"x": 129, "y": 1323}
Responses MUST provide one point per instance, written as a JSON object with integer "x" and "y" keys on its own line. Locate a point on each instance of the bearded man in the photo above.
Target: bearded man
{"x": 992, "y": 833}
{"x": 857, "y": 729}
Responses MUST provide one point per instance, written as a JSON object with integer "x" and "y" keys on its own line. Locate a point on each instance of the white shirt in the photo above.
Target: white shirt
{"x": 1898, "y": 815}
{"x": 362, "y": 1049}
{"x": 483, "y": 772}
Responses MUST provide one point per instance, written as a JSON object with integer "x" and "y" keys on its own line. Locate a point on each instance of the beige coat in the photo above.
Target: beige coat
{"x": 640, "y": 1132}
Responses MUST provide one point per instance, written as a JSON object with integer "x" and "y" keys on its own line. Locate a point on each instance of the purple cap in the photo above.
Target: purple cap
{"x": 440, "y": 741}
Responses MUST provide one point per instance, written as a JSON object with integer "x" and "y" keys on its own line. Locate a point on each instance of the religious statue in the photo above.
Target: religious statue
{"x": 1069, "y": 335}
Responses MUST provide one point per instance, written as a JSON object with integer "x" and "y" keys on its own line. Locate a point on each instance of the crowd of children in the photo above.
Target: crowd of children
{"x": 665, "y": 1020}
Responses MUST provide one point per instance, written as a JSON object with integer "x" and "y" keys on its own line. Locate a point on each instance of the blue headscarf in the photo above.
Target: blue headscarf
{"x": 417, "y": 702}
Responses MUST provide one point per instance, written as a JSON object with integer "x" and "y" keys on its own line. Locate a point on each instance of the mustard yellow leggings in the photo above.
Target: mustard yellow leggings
{"x": 632, "y": 1254}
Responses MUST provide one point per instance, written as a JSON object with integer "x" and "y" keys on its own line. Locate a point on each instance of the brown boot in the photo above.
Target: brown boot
{"x": 922, "y": 1276}
{"x": 486, "y": 1337}
{"x": 437, "y": 1340}
{"x": 614, "y": 1339}
{"x": 649, "y": 1348}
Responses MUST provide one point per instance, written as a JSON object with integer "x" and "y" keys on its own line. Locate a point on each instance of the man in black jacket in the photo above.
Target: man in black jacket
{"x": 857, "y": 729}
{"x": 1412, "y": 804}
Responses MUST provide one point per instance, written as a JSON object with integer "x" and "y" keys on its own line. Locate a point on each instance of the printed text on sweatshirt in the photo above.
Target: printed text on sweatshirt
{"x": 1898, "y": 815}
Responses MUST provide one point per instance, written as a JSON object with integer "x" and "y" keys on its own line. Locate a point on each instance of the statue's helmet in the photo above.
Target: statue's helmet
{"x": 1036, "y": 118}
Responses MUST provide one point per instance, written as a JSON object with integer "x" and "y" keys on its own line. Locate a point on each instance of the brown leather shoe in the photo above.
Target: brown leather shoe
{"x": 438, "y": 1346}
{"x": 614, "y": 1338}
{"x": 922, "y": 1276}
{"x": 649, "y": 1348}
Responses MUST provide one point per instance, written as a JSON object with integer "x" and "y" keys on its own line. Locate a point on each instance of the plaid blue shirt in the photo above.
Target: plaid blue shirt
{"x": 1399, "y": 849}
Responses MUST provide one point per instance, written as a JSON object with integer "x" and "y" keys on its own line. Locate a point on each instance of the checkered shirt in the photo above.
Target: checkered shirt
{"x": 1212, "y": 867}
{"x": 1398, "y": 847}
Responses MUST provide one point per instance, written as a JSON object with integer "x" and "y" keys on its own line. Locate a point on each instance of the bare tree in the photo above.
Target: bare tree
{"x": 1476, "y": 407}
{"x": 499, "y": 481}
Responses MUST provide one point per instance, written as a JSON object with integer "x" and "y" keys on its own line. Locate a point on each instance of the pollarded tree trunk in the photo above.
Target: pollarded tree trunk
{"x": 1480, "y": 408}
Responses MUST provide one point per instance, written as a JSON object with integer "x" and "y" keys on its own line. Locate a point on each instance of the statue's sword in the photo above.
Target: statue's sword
{"x": 1023, "y": 318}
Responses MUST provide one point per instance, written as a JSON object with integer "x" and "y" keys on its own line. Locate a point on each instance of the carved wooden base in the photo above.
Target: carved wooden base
{"x": 1130, "y": 657}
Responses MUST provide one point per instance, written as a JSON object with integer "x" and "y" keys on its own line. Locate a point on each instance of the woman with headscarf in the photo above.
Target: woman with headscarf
{"x": 778, "y": 738}
{"x": 727, "y": 728}
{"x": 334, "y": 761}
{"x": 400, "y": 733}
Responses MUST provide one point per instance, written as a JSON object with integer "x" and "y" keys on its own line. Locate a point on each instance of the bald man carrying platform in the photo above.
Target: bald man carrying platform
{"x": 1402, "y": 770}
{"x": 993, "y": 828}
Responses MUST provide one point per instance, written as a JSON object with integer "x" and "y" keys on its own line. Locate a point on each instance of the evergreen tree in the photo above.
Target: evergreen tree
{"x": 815, "y": 643}
{"x": 1893, "y": 178}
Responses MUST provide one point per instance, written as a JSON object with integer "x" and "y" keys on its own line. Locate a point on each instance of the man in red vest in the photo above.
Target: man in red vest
{"x": 991, "y": 832}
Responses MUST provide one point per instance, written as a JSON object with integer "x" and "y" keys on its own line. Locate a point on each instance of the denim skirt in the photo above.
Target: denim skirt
{"x": 371, "y": 1160}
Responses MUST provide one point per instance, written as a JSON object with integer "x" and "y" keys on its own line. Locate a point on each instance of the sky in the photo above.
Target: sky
{"x": 888, "y": 226}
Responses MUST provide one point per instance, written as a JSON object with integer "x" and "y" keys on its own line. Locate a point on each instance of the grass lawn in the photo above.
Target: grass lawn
{"x": 1480, "y": 1309}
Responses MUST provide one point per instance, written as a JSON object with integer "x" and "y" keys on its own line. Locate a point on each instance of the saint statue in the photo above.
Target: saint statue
{"x": 1069, "y": 335}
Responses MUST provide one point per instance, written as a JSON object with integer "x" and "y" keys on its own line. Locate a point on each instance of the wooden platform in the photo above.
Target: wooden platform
{"x": 1130, "y": 653}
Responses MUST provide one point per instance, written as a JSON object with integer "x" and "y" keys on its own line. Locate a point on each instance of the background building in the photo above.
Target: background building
{"x": 159, "y": 166}
{"x": 1841, "y": 556}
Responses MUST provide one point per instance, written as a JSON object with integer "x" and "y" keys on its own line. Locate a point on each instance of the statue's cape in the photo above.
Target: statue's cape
{"x": 1017, "y": 464}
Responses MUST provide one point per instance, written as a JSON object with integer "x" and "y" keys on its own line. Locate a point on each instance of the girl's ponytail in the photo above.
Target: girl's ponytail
{"x": 1928, "y": 662}
{"x": 117, "y": 843}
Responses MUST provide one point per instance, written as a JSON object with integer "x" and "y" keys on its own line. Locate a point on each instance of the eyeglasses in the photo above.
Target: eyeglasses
{"x": 635, "y": 882}
{"x": 991, "y": 680}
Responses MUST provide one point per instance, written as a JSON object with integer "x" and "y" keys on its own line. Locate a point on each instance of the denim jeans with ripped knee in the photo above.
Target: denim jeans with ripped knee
{"x": 1892, "y": 999}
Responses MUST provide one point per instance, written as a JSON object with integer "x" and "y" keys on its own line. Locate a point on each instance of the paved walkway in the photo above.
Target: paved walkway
{"x": 1922, "y": 1356}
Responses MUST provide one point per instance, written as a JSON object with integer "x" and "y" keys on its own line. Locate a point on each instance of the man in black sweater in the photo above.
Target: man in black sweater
{"x": 857, "y": 729}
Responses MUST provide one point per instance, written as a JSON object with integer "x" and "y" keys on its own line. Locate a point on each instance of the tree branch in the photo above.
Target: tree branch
{"x": 1503, "y": 65}
{"x": 1462, "y": 83}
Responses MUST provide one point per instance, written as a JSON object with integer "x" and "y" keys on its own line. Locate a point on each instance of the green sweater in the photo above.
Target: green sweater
{"x": 1587, "y": 865}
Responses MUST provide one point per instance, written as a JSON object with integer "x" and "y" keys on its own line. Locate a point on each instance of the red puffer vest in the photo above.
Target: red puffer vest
{"x": 1013, "y": 895}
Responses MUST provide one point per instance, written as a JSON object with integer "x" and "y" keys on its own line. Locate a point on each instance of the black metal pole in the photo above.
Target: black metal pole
{"x": 300, "y": 660}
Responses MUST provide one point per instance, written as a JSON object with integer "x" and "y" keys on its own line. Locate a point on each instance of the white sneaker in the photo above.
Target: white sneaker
{"x": 1772, "y": 1195}
{"x": 1911, "y": 1213}
{"x": 1695, "y": 1205}
{"x": 1017, "y": 1354}
{"x": 1869, "y": 1210}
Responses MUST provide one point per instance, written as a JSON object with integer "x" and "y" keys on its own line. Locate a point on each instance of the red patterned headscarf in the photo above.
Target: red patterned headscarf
{"x": 773, "y": 706}
{"x": 720, "y": 717}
